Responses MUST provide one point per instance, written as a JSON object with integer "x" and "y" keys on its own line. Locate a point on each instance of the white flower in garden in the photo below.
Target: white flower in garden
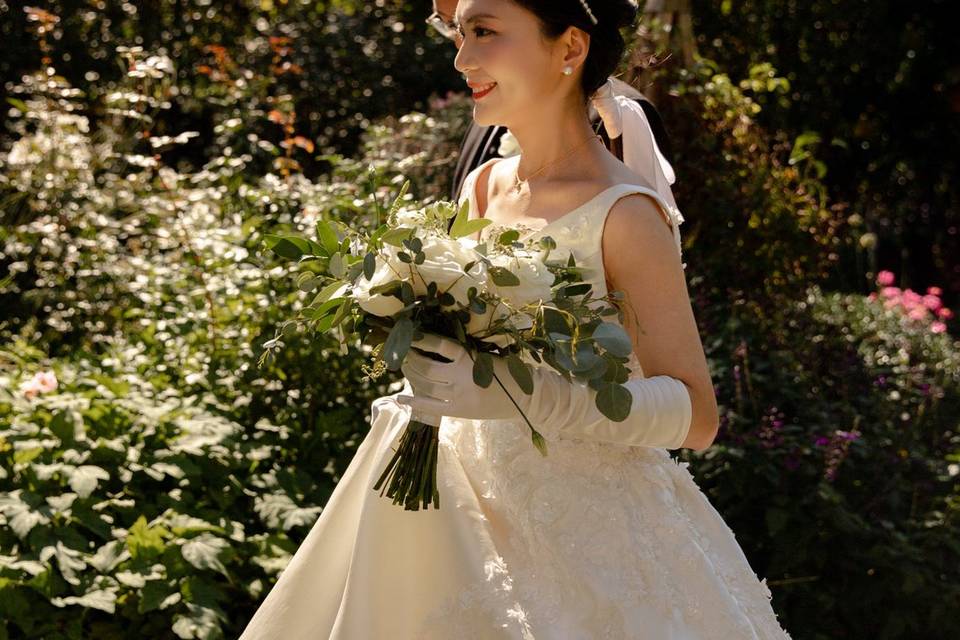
{"x": 153, "y": 67}
{"x": 46, "y": 381}
{"x": 41, "y": 382}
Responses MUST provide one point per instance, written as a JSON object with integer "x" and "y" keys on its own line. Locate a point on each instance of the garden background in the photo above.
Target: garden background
{"x": 168, "y": 435}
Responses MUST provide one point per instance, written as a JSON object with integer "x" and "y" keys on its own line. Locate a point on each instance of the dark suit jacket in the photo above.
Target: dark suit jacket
{"x": 481, "y": 143}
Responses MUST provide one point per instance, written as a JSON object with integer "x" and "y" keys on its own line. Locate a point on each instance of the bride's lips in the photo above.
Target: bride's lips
{"x": 480, "y": 90}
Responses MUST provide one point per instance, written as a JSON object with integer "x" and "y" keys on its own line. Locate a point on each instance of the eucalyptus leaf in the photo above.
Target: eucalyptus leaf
{"x": 520, "y": 372}
{"x": 336, "y": 265}
{"x": 328, "y": 291}
{"x": 398, "y": 343}
{"x": 508, "y": 236}
{"x": 483, "y": 369}
{"x": 396, "y": 236}
{"x": 614, "y": 339}
{"x": 503, "y": 277}
{"x": 614, "y": 401}
{"x": 369, "y": 265}
{"x": 585, "y": 357}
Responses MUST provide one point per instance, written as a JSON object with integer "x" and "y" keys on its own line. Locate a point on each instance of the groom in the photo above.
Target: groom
{"x": 482, "y": 143}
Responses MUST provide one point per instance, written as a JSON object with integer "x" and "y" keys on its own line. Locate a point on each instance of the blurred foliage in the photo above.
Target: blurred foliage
{"x": 338, "y": 65}
{"x": 740, "y": 191}
{"x": 878, "y": 85}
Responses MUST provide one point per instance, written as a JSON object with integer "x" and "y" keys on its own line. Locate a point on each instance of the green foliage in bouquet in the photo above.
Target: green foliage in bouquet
{"x": 412, "y": 275}
{"x": 565, "y": 330}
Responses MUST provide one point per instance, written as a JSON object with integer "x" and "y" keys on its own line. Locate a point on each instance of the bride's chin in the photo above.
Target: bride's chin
{"x": 485, "y": 119}
{"x": 480, "y": 121}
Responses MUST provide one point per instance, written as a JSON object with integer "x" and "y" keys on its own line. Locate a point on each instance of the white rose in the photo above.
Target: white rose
{"x": 410, "y": 217}
{"x": 443, "y": 264}
{"x": 535, "y": 278}
{"x": 387, "y": 267}
{"x": 479, "y": 322}
{"x": 535, "y": 282}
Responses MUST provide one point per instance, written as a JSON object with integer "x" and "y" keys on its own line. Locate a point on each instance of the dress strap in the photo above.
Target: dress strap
{"x": 469, "y": 188}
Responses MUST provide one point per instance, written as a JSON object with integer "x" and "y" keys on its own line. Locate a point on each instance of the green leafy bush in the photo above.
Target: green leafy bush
{"x": 836, "y": 464}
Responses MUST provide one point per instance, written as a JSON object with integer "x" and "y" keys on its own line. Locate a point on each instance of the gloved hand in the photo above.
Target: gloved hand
{"x": 660, "y": 415}
{"x": 447, "y": 388}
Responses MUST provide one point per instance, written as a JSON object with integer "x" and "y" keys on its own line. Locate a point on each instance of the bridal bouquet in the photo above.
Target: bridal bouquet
{"x": 411, "y": 275}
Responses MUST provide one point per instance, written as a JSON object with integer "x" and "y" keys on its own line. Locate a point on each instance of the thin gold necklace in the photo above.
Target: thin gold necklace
{"x": 519, "y": 183}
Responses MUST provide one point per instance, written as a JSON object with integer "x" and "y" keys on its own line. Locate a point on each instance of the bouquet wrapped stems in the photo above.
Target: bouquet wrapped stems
{"x": 412, "y": 471}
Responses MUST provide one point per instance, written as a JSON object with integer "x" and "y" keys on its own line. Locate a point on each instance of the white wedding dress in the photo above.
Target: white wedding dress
{"x": 592, "y": 541}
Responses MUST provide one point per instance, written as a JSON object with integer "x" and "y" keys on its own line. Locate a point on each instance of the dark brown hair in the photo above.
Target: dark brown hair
{"x": 606, "y": 42}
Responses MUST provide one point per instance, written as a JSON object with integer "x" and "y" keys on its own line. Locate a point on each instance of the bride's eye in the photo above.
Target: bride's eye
{"x": 477, "y": 30}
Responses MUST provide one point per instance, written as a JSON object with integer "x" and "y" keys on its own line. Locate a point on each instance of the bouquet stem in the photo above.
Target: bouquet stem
{"x": 412, "y": 472}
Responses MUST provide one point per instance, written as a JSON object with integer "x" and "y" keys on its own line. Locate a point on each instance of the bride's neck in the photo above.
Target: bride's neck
{"x": 542, "y": 143}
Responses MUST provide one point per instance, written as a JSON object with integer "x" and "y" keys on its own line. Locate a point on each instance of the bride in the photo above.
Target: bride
{"x": 605, "y": 537}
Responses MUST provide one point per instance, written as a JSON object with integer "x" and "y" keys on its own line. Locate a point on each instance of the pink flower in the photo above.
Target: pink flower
{"x": 46, "y": 380}
{"x": 41, "y": 382}
{"x": 934, "y": 291}
{"x": 890, "y": 292}
{"x": 885, "y": 278}
{"x": 29, "y": 389}
{"x": 911, "y": 298}
{"x": 872, "y": 296}
{"x": 919, "y": 313}
{"x": 944, "y": 313}
{"x": 937, "y": 327}
{"x": 932, "y": 302}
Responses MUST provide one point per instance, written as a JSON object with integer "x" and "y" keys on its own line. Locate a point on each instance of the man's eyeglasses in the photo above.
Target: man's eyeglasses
{"x": 447, "y": 29}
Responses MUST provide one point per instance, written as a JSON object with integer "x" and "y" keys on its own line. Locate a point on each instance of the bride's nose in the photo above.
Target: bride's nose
{"x": 463, "y": 62}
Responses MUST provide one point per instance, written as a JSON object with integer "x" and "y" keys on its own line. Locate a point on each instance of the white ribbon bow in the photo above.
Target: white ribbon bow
{"x": 624, "y": 117}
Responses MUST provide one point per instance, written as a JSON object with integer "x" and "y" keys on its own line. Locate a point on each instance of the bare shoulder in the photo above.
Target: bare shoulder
{"x": 637, "y": 227}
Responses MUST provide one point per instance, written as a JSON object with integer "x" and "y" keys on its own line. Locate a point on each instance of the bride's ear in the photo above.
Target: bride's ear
{"x": 574, "y": 47}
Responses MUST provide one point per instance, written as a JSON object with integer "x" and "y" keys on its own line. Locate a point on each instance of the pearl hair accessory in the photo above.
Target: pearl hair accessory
{"x": 586, "y": 7}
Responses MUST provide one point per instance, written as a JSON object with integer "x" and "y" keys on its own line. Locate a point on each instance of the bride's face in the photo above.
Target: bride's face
{"x": 501, "y": 45}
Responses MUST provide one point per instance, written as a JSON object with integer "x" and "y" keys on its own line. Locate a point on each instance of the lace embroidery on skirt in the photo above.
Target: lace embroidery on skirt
{"x": 589, "y": 520}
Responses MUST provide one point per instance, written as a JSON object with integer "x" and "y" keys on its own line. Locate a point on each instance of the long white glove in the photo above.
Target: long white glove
{"x": 448, "y": 389}
{"x": 660, "y": 415}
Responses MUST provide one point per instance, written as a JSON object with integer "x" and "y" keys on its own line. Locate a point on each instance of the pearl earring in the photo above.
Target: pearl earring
{"x": 567, "y": 71}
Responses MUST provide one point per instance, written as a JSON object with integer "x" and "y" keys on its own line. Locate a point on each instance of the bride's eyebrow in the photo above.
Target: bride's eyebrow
{"x": 476, "y": 16}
